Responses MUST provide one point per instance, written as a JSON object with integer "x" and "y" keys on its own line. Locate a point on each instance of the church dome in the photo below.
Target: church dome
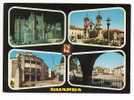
{"x": 86, "y": 19}
{"x": 98, "y": 17}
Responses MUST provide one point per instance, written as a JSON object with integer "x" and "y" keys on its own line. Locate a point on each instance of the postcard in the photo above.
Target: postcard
{"x": 66, "y": 48}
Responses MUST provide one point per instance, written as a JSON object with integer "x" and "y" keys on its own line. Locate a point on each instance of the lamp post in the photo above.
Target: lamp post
{"x": 108, "y": 25}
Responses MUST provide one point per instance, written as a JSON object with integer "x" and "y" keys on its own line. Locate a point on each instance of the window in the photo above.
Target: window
{"x": 27, "y": 70}
{"x": 38, "y": 63}
{"x": 27, "y": 61}
{"x": 32, "y": 62}
{"x": 26, "y": 78}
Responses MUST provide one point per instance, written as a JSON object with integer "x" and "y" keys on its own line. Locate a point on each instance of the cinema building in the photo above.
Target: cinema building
{"x": 26, "y": 70}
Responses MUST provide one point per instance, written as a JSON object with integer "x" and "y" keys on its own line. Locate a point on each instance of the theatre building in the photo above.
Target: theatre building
{"x": 26, "y": 70}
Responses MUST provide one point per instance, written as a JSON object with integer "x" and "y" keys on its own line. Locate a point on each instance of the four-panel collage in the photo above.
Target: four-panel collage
{"x": 77, "y": 48}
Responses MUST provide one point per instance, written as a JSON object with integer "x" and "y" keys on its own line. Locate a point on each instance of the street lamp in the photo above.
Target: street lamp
{"x": 108, "y": 24}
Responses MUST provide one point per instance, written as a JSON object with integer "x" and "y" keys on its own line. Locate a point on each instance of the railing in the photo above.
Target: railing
{"x": 111, "y": 83}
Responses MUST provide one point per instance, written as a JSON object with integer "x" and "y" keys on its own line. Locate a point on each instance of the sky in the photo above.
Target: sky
{"x": 116, "y": 15}
{"x": 50, "y": 59}
{"x": 109, "y": 60}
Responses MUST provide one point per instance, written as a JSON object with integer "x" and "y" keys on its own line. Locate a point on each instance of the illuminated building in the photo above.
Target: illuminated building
{"x": 35, "y": 29}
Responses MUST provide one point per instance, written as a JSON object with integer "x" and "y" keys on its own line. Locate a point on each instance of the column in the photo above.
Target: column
{"x": 35, "y": 74}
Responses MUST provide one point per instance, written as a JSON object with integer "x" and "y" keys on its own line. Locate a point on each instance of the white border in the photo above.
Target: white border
{"x": 36, "y": 9}
{"x": 70, "y": 96}
{"x": 31, "y": 87}
{"x": 108, "y": 8}
{"x": 94, "y": 52}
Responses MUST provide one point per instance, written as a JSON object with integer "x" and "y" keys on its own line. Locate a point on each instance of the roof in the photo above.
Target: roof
{"x": 77, "y": 28}
{"x": 113, "y": 30}
{"x": 118, "y": 67}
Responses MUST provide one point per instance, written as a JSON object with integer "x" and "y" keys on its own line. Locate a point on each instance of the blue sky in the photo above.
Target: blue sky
{"x": 50, "y": 59}
{"x": 109, "y": 60}
{"x": 116, "y": 15}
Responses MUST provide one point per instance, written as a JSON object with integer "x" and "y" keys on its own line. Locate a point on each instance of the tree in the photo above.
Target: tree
{"x": 99, "y": 69}
{"x": 62, "y": 60}
{"x": 73, "y": 65}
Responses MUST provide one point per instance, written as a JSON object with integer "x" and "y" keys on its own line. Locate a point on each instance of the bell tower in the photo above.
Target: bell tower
{"x": 99, "y": 26}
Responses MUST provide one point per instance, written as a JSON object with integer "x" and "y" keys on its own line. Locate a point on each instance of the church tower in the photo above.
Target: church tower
{"x": 86, "y": 26}
{"x": 98, "y": 21}
{"x": 99, "y": 26}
